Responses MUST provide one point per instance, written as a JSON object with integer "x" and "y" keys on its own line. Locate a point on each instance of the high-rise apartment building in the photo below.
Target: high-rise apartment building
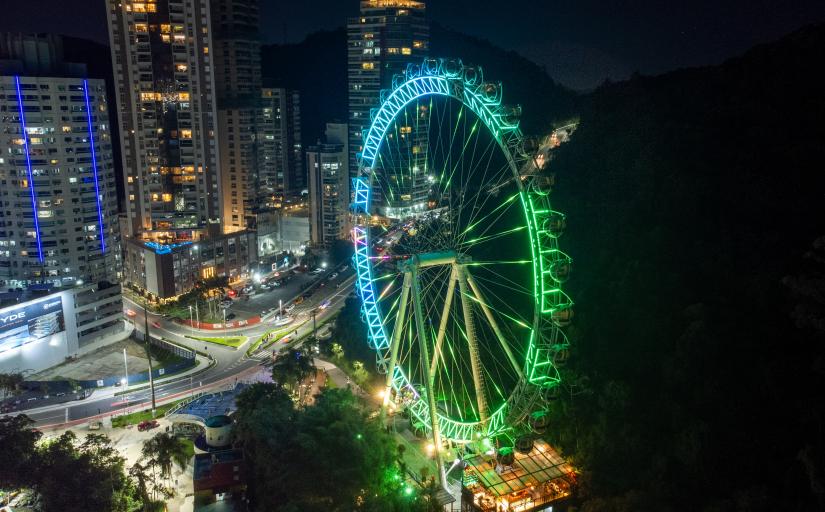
{"x": 328, "y": 169}
{"x": 162, "y": 57}
{"x": 58, "y": 200}
{"x": 280, "y": 133}
{"x": 238, "y": 90}
{"x": 59, "y": 235}
{"x": 382, "y": 40}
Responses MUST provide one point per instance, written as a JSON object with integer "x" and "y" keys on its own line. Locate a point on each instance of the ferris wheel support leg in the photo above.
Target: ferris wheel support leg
{"x": 428, "y": 377}
{"x": 492, "y": 321}
{"x": 396, "y": 341}
{"x": 445, "y": 315}
{"x": 472, "y": 343}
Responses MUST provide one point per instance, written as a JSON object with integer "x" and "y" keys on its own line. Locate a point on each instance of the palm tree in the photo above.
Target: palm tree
{"x": 163, "y": 450}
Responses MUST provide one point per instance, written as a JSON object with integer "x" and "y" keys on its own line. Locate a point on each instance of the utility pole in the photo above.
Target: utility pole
{"x": 148, "y": 353}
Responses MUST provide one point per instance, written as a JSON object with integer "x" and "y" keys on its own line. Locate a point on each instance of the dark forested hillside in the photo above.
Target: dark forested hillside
{"x": 318, "y": 68}
{"x": 695, "y": 201}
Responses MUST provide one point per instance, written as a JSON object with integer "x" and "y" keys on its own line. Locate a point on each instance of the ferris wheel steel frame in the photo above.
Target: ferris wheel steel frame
{"x": 548, "y": 345}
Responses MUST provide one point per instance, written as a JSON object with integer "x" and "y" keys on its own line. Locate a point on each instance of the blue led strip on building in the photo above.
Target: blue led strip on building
{"x": 25, "y": 136}
{"x": 94, "y": 167}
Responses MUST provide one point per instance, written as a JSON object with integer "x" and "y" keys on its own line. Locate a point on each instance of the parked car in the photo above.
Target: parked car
{"x": 333, "y": 276}
{"x": 147, "y": 425}
{"x": 325, "y": 304}
{"x": 95, "y": 425}
{"x": 299, "y": 300}
{"x": 290, "y": 307}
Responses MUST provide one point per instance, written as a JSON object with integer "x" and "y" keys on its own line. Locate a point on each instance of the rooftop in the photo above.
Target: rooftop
{"x": 535, "y": 479}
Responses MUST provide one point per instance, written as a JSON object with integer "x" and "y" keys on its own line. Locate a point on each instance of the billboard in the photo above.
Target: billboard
{"x": 30, "y": 322}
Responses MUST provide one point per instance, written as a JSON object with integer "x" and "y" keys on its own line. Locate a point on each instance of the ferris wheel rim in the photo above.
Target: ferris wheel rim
{"x": 419, "y": 83}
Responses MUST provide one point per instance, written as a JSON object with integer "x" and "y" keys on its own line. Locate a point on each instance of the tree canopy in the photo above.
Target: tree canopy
{"x": 327, "y": 456}
{"x": 693, "y": 199}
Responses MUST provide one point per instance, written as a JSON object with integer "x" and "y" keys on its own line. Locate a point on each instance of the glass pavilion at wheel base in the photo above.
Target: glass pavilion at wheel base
{"x": 530, "y": 482}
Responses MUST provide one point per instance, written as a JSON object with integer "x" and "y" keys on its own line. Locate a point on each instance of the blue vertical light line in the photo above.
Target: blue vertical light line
{"x": 94, "y": 167}
{"x": 25, "y": 136}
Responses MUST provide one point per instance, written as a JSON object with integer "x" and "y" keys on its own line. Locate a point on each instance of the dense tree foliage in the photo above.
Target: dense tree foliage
{"x": 328, "y": 456}
{"x": 64, "y": 473}
{"x": 698, "y": 363}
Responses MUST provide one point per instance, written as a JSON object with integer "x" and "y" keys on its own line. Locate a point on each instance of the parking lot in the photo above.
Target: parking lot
{"x": 268, "y": 300}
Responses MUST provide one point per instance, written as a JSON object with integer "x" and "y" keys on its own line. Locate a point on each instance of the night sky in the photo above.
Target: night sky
{"x": 581, "y": 42}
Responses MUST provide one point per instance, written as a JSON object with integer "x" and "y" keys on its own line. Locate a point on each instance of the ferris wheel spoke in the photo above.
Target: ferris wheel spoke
{"x": 501, "y": 279}
{"x": 445, "y": 315}
{"x": 492, "y": 321}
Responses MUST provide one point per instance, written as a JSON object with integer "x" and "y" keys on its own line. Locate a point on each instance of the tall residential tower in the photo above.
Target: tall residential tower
{"x": 164, "y": 73}
{"x": 60, "y": 259}
{"x": 382, "y": 40}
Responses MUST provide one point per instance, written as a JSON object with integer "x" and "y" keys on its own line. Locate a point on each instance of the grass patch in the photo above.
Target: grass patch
{"x": 136, "y": 417}
{"x": 229, "y": 341}
{"x": 189, "y": 445}
{"x": 278, "y": 333}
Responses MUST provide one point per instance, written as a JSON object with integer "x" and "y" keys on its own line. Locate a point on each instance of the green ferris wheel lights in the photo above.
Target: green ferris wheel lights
{"x": 450, "y": 151}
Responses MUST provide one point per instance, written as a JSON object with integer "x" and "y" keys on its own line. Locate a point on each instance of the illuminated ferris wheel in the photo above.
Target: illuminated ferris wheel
{"x": 462, "y": 290}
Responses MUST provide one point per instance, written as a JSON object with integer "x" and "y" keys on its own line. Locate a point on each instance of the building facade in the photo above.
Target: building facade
{"x": 59, "y": 233}
{"x": 38, "y": 332}
{"x": 385, "y": 37}
{"x": 328, "y": 169}
{"x": 162, "y": 58}
{"x": 282, "y": 170}
{"x": 238, "y": 90}
{"x": 165, "y": 271}
{"x": 58, "y": 223}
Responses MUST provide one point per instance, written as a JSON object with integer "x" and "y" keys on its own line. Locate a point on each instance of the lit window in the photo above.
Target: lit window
{"x": 392, "y": 51}
{"x": 406, "y": 51}
{"x": 186, "y": 134}
{"x": 418, "y": 44}
{"x": 364, "y": 65}
{"x": 183, "y": 96}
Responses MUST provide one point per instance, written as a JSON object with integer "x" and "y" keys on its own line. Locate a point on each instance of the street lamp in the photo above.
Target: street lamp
{"x": 191, "y": 322}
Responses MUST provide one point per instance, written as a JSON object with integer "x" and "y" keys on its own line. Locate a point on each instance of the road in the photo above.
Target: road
{"x": 230, "y": 364}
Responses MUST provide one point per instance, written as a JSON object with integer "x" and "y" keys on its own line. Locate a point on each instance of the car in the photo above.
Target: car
{"x": 130, "y": 313}
{"x": 343, "y": 268}
{"x": 289, "y": 308}
{"x": 147, "y": 425}
{"x": 95, "y": 425}
{"x": 325, "y": 304}
{"x": 299, "y": 300}
{"x": 156, "y": 325}
{"x": 332, "y": 276}
{"x": 226, "y": 303}
{"x": 230, "y": 316}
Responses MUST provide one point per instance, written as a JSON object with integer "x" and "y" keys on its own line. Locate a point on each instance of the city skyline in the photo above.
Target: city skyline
{"x": 569, "y": 40}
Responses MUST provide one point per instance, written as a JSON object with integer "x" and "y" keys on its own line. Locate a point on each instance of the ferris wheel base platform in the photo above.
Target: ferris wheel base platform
{"x": 535, "y": 481}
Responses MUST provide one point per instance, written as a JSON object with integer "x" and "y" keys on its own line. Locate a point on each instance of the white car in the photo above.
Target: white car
{"x": 289, "y": 308}
{"x": 324, "y": 305}
{"x": 333, "y": 276}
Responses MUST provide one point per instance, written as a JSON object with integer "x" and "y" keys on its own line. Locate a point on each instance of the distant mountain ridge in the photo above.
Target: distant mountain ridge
{"x": 317, "y": 67}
